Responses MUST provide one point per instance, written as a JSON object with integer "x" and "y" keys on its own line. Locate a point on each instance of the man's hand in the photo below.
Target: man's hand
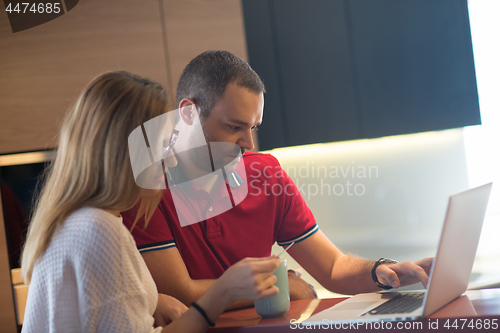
{"x": 299, "y": 289}
{"x": 406, "y": 273}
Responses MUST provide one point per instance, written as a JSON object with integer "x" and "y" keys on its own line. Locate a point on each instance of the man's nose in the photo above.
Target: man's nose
{"x": 246, "y": 140}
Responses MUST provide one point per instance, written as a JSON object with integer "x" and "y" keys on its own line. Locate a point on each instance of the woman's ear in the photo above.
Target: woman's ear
{"x": 188, "y": 110}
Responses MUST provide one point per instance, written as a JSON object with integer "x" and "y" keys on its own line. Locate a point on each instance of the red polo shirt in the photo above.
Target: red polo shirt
{"x": 272, "y": 211}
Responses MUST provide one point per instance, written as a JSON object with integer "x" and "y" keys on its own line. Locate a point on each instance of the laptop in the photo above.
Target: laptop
{"x": 449, "y": 277}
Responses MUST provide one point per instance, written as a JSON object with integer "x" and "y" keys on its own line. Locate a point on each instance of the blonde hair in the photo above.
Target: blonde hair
{"x": 92, "y": 166}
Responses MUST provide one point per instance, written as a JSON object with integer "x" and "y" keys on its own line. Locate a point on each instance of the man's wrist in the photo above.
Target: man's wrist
{"x": 299, "y": 288}
{"x": 381, "y": 261}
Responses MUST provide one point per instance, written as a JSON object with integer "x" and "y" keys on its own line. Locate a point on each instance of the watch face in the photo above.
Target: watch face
{"x": 388, "y": 261}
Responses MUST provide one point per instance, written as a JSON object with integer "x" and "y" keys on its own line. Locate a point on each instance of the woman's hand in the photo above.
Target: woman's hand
{"x": 167, "y": 310}
{"x": 250, "y": 278}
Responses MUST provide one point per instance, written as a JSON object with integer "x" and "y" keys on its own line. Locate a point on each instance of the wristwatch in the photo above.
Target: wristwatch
{"x": 381, "y": 261}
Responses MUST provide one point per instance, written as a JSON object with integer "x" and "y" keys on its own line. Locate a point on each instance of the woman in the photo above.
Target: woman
{"x": 84, "y": 271}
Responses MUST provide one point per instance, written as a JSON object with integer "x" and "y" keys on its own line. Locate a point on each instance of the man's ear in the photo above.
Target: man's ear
{"x": 188, "y": 110}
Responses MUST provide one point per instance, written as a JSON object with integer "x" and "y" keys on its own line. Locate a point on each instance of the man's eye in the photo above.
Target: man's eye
{"x": 235, "y": 128}
{"x": 255, "y": 128}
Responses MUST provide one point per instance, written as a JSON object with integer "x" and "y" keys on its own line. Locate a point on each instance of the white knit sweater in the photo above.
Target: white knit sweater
{"x": 91, "y": 278}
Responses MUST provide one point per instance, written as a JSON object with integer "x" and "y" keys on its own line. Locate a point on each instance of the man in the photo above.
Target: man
{"x": 186, "y": 245}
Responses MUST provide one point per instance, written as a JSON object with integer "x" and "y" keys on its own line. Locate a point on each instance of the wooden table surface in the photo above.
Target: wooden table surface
{"x": 473, "y": 304}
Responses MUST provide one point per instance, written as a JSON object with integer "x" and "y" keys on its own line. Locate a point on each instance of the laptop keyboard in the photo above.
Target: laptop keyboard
{"x": 403, "y": 303}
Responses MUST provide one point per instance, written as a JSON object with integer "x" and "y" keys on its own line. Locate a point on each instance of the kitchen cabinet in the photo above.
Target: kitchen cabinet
{"x": 339, "y": 70}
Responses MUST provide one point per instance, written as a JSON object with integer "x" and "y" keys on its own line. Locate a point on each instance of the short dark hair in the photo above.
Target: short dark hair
{"x": 206, "y": 77}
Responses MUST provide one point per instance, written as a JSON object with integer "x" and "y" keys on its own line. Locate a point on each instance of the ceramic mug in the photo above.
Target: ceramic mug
{"x": 277, "y": 305}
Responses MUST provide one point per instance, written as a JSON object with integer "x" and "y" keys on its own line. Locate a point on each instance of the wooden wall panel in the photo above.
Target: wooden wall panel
{"x": 44, "y": 68}
{"x": 194, "y": 26}
{"x": 7, "y": 313}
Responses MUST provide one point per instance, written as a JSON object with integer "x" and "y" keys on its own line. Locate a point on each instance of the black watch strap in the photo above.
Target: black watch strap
{"x": 381, "y": 261}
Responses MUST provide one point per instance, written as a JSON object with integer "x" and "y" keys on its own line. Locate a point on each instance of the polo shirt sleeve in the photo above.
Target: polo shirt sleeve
{"x": 156, "y": 236}
{"x": 298, "y": 222}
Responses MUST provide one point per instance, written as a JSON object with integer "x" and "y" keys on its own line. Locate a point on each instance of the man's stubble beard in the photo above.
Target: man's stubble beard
{"x": 212, "y": 155}
{"x": 199, "y": 155}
